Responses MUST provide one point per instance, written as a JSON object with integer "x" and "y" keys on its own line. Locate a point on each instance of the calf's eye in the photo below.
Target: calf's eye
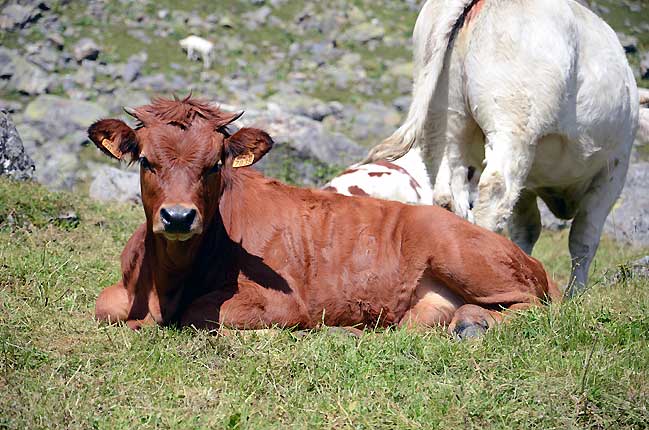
{"x": 215, "y": 168}
{"x": 144, "y": 162}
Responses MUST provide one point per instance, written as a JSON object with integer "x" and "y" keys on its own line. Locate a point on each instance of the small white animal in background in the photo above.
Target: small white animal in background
{"x": 197, "y": 47}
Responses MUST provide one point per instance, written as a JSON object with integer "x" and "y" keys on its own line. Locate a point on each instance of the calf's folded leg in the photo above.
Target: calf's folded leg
{"x": 113, "y": 304}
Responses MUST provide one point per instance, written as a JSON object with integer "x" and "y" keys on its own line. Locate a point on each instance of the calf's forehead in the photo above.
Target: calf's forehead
{"x": 168, "y": 142}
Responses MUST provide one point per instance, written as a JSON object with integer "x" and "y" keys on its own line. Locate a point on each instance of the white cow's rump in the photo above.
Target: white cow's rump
{"x": 404, "y": 180}
{"x": 542, "y": 92}
{"x": 197, "y": 47}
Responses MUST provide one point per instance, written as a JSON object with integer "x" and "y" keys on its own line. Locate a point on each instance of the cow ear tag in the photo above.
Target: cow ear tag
{"x": 112, "y": 148}
{"x": 244, "y": 160}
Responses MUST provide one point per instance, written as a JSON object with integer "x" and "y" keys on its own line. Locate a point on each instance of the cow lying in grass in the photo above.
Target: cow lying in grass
{"x": 224, "y": 245}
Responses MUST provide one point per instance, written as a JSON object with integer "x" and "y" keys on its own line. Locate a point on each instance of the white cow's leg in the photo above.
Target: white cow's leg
{"x": 442, "y": 195}
{"x": 587, "y": 225}
{"x": 452, "y": 184}
{"x": 190, "y": 53}
{"x": 509, "y": 159}
{"x": 525, "y": 222}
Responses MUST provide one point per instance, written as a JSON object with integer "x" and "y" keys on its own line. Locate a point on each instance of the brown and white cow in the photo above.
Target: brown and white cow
{"x": 224, "y": 245}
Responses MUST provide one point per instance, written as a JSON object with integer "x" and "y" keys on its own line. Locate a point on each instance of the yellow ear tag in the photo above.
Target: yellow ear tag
{"x": 112, "y": 148}
{"x": 244, "y": 160}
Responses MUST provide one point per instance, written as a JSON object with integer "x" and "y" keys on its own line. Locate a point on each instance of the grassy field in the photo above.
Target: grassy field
{"x": 583, "y": 364}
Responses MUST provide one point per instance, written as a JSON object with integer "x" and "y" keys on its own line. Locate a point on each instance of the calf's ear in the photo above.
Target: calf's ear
{"x": 247, "y": 146}
{"x": 114, "y": 138}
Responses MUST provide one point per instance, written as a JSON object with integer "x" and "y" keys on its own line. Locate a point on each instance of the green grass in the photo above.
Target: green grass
{"x": 582, "y": 364}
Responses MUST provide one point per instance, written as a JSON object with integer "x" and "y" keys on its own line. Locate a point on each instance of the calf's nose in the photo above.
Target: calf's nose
{"x": 177, "y": 219}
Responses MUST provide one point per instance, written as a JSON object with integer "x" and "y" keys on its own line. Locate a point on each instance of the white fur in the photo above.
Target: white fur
{"x": 386, "y": 183}
{"x": 197, "y": 45}
{"x": 541, "y": 91}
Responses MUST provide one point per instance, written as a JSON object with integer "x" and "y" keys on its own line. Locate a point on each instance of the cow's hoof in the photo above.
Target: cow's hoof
{"x": 465, "y": 331}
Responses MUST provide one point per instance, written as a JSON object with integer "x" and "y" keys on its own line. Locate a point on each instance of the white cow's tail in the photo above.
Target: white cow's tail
{"x": 436, "y": 43}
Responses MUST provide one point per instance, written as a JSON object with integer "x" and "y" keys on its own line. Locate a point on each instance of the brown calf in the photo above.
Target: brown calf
{"x": 224, "y": 245}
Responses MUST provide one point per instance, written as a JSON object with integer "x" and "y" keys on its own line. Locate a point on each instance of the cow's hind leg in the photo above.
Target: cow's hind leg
{"x": 587, "y": 225}
{"x": 509, "y": 159}
{"x": 525, "y": 223}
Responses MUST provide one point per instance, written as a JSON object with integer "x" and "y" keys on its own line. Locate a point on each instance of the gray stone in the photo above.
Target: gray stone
{"x": 644, "y": 66}
{"x": 365, "y": 32}
{"x": 16, "y": 15}
{"x": 58, "y": 110}
{"x": 46, "y": 57}
{"x": 18, "y": 74}
{"x": 629, "y": 43}
{"x": 14, "y": 162}
{"x": 638, "y": 269}
{"x": 301, "y": 104}
{"x": 256, "y": 18}
{"x": 86, "y": 49}
{"x": 629, "y": 220}
{"x": 85, "y": 75}
{"x": 307, "y": 136}
{"x": 112, "y": 184}
{"x": 303, "y": 147}
{"x": 373, "y": 122}
{"x": 133, "y": 66}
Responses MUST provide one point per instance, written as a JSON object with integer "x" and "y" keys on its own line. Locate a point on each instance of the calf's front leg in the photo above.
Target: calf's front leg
{"x": 113, "y": 304}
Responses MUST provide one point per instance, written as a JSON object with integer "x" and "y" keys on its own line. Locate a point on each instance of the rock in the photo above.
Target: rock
{"x": 85, "y": 75}
{"x": 402, "y": 104}
{"x": 301, "y": 104}
{"x": 633, "y": 270}
{"x": 58, "y": 110}
{"x": 365, "y": 32}
{"x": 112, "y": 184}
{"x": 86, "y": 49}
{"x": 14, "y": 162}
{"x": 17, "y": 16}
{"x": 644, "y": 66}
{"x": 10, "y": 106}
{"x": 629, "y": 220}
{"x": 373, "y": 122}
{"x": 254, "y": 19}
{"x": 133, "y": 66}
{"x": 304, "y": 149}
{"x": 45, "y": 57}
{"x": 18, "y": 74}
{"x": 629, "y": 43}
{"x": 57, "y": 40}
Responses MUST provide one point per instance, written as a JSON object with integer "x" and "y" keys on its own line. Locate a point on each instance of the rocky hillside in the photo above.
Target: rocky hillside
{"x": 327, "y": 78}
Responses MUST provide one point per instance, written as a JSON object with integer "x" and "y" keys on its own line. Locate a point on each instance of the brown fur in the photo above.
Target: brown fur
{"x": 267, "y": 253}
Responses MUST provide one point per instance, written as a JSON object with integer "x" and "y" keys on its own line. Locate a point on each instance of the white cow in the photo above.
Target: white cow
{"x": 539, "y": 89}
{"x": 197, "y": 45}
{"x": 404, "y": 180}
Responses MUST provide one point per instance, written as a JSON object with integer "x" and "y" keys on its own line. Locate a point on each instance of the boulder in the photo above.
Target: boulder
{"x": 112, "y": 184}
{"x": 14, "y": 162}
{"x": 304, "y": 150}
{"x": 644, "y": 66}
{"x": 629, "y": 220}
{"x": 20, "y": 75}
{"x": 86, "y": 49}
{"x": 133, "y": 66}
{"x": 300, "y": 104}
{"x": 55, "y": 110}
{"x": 17, "y": 16}
{"x": 365, "y": 32}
